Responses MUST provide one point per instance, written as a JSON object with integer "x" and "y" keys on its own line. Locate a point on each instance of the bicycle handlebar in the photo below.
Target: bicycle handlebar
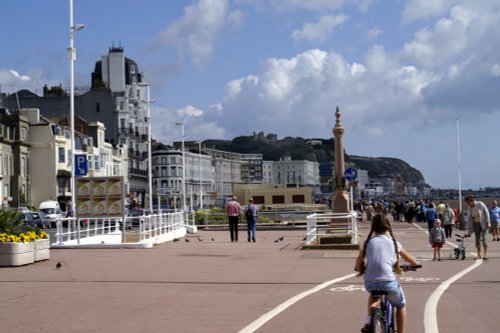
{"x": 408, "y": 267}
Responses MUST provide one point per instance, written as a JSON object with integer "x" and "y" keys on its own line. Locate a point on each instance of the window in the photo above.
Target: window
{"x": 62, "y": 155}
{"x": 278, "y": 199}
{"x": 23, "y": 134}
{"x": 23, "y": 166}
{"x": 96, "y": 163}
{"x": 298, "y": 198}
{"x": 90, "y": 162}
{"x": 258, "y": 199}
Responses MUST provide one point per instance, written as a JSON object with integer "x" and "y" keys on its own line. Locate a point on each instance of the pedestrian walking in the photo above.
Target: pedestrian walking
{"x": 478, "y": 223}
{"x": 437, "y": 239}
{"x": 495, "y": 220}
{"x": 233, "y": 212}
{"x": 251, "y": 213}
{"x": 430, "y": 215}
{"x": 448, "y": 220}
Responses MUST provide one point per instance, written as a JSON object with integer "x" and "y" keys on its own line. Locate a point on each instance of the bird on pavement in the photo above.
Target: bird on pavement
{"x": 58, "y": 265}
{"x": 276, "y": 240}
{"x": 200, "y": 239}
{"x": 213, "y": 239}
{"x": 187, "y": 240}
{"x": 303, "y": 239}
{"x": 281, "y": 238}
{"x": 176, "y": 239}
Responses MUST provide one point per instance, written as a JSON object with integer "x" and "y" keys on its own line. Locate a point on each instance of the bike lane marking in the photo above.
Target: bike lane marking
{"x": 430, "y": 310}
{"x": 256, "y": 324}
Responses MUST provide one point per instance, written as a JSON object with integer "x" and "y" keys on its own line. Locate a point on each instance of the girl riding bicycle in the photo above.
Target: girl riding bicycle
{"x": 377, "y": 261}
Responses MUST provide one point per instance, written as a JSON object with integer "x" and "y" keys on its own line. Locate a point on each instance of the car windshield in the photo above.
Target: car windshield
{"x": 48, "y": 210}
{"x": 35, "y": 215}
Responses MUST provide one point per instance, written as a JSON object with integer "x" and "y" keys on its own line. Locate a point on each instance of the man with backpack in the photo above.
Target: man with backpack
{"x": 251, "y": 212}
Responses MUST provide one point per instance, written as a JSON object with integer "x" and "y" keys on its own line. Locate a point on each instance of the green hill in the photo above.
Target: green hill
{"x": 318, "y": 150}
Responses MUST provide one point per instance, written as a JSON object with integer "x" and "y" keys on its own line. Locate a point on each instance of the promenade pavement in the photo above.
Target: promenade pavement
{"x": 208, "y": 284}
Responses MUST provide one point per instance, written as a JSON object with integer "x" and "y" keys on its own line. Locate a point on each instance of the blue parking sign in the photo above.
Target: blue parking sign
{"x": 81, "y": 165}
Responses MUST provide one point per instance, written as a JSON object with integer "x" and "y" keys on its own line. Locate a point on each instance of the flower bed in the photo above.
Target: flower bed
{"x": 24, "y": 248}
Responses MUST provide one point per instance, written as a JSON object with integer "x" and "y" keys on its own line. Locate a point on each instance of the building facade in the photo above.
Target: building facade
{"x": 168, "y": 176}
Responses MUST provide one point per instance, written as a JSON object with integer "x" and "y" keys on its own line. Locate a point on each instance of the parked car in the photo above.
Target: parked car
{"x": 53, "y": 211}
{"x": 35, "y": 220}
{"x": 45, "y": 221}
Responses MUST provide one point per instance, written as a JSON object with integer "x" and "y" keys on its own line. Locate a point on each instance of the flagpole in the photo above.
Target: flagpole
{"x": 458, "y": 166}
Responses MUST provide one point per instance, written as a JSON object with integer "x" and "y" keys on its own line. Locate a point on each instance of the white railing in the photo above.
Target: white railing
{"x": 152, "y": 229}
{"x": 319, "y": 224}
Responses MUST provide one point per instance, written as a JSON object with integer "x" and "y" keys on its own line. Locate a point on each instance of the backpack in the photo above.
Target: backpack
{"x": 249, "y": 213}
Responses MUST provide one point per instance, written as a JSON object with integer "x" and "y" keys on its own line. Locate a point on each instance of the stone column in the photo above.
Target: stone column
{"x": 340, "y": 199}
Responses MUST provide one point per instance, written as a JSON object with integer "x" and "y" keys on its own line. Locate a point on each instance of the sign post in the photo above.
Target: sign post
{"x": 351, "y": 174}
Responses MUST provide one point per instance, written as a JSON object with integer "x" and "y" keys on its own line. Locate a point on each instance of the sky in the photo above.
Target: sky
{"x": 417, "y": 80}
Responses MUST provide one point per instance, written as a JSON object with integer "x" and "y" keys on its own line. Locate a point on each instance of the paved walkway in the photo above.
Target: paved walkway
{"x": 207, "y": 284}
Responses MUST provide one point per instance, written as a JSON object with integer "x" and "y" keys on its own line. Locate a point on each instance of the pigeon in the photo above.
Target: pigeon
{"x": 276, "y": 241}
{"x": 200, "y": 239}
{"x": 187, "y": 240}
{"x": 213, "y": 239}
{"x": 303, "y": 239}
{"x": 58, "y": 265}
{"x": 176, "y": 239}
{"x": 281, "y": 238}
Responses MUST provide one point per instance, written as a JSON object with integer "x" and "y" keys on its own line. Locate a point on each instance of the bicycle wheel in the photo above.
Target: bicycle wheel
{"x": 378, "y": 321}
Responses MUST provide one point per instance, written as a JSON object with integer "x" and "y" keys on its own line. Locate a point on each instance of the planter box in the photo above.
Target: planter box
{"x": 42, "y": 249}
{"x": 17, "y": 254}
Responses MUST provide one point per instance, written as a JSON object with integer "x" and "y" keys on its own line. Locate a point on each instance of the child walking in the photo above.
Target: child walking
{"x": 378, "y": 260}
{"x": 437, "y": 239}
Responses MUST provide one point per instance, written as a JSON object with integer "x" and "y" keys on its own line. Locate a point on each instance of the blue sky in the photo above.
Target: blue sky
{"x": 400, "y": 71}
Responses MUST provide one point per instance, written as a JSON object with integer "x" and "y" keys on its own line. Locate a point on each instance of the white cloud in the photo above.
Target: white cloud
{"x": 196, "y": 31}
{"x": 321, "y": 30}
{"x": 12, "y": 80}
{"x": 425, "y": 9}
{"x": 373, "y": 33}
{"x": 189, "y": 111}
{"x": 16, "y": 75}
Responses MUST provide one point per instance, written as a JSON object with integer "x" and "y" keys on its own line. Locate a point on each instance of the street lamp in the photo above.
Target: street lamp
{"x": 150, "y": 169}
{"x": 201, "y": 176}
{"x": 181, "y": 124}
{"x": 72, "y": 58}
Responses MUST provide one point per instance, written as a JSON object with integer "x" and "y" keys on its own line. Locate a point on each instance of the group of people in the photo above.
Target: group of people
{"x": 378, "y": 258}
{"x": 480, "y": 221}
{"x": 233, "y": 212}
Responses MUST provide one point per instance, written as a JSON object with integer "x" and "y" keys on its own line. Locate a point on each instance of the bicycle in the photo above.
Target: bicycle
{"x": 383, "y": 316}
{"x": 460, "y": 249}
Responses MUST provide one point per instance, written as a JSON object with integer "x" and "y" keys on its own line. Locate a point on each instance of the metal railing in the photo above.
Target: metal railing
{"x": 151, "y": 229}
{"x": 339, "y": 223}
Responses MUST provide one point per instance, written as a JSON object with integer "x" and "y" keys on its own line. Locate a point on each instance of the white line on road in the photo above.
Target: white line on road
{"x": 430, "y": 311}
{"x": 252, "y": 327}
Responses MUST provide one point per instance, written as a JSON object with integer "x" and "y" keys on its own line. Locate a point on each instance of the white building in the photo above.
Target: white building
{"x": 289, "y": 173}
{"x": 167, "y": 178}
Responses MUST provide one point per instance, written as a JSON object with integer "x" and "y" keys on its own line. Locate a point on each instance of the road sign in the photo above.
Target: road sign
{"x": 351, "y": 174}
{"x": 81, "y": 165}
